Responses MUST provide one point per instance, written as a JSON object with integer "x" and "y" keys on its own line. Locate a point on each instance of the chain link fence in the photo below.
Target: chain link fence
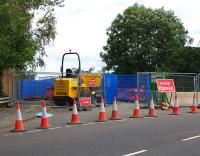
{"x": 186, "y": 85}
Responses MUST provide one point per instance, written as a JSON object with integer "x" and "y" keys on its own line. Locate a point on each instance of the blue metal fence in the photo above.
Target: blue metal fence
{"x": 124, "y": 87}
{"x": 110, "y": 87}
{"x": 34, "y": 87}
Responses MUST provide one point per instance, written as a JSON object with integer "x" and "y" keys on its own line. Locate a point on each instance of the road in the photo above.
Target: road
{"x": 162, "y": 136}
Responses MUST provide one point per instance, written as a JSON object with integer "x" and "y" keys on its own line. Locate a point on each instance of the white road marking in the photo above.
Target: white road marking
{"x": 90, "y": 123}
{"x": 194, "y": 137}
{"x": 10, "y": 134}
{"x": 68, "y": 126}
{"x": 55, "y": 128}
{"x": 121, "y": 120}
{"x": 135, "y": 153}
{"x": 71, "y": 126}
{"x": 105, "y": 122}
{"x": 38, "y": 130}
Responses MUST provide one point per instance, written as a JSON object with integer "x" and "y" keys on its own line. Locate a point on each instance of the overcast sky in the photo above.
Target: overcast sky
{"x": 81, "y": 26}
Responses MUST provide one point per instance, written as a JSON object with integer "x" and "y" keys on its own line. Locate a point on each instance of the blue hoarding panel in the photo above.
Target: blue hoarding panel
{"x": 110, "y": 87}
{"x": 35, "y": 87}
{"x": 129, "y": 86}
{"x": 126, "y": 87}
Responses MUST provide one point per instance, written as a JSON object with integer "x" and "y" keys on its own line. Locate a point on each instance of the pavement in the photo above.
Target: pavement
{"x": 61, "y": 115}
{"x": 165, "y": 135}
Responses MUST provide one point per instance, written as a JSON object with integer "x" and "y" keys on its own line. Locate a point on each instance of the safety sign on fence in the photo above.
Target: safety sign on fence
{"x": 85, "y": 101}
{"x": 165, "y": 85}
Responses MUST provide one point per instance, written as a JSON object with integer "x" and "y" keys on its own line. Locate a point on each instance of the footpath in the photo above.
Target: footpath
{"x": 62, "y": 115}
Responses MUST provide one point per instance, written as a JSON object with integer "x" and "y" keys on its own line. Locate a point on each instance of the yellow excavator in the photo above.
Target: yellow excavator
{"x": 84, "y": 87}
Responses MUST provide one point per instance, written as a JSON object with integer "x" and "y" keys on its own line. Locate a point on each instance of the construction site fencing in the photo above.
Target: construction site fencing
{"x": 30, "y": 86}
{"x": 185, "y": 84}
{"x": 125, "y": 87}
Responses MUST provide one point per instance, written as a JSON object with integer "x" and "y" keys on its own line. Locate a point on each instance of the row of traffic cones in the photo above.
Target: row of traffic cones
{"x": 19, "y": 125}
{"x": 176, "y": 110}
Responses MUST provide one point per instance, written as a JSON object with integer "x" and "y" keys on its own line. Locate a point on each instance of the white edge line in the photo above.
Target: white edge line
{"x": 90, "y": 123}
{"x": 121, "y": 120}
{"x": 55, "y": 128}
{"x": 194, "y": 137}
{"x": 135, "y": 153}
{"x": 13, "y": 134}
{"x": 69, "y": 126}
{"x": 38, "y": 130}
{"x": 8, "y": 135}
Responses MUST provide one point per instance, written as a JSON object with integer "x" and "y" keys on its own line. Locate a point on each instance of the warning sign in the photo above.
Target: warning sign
{"x": 85, "y": 101}
{"x": 165, "y": 85}
{"x": 92, "y": 82}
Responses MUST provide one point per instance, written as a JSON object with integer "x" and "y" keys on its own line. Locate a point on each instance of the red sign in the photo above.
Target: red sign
{"x": 165, "y": 85}
{"x": 92, "y": 81}
{"x": 85, "y": 101}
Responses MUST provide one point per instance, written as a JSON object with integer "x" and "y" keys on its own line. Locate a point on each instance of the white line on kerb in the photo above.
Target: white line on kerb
{"x": 194, "y": 137}
{"x": 138, "y": 152}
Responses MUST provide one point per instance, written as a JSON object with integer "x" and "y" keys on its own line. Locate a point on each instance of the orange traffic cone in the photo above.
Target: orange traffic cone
{"x": 194, "y": 105}
{"x": 151, "y": 109}
{"x": 102, "y": 114}
{"x": 115, "y": 112}
{"x": 136, "y": 110}
{"x": 175, "y": 109}
{"x": 75, "y": 117}
{"x": 44, "y": 120}
{"x": 19, "y": 124}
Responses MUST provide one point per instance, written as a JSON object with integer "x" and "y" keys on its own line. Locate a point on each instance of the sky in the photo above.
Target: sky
{"x": 81, "y": 27}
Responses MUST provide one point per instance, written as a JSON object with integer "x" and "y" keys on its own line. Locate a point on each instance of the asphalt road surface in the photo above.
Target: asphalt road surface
{"x": 162, "y": 136}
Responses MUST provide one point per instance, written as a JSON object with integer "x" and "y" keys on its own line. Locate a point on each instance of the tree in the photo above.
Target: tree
{"x": 186, "y": 60}
{"x": 22, "y": 37}
{"x": 143, "y": 39}
{"x": 22, "y": 43}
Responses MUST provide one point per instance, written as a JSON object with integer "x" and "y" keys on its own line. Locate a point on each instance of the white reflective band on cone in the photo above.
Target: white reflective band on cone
{"x": 136, "y": 104}
{"x": 102, "y": 109}
{"x": 114, "y": 106}
{"x": 44, "y": 112}
{"x": 75, "y": 109}
{"x": 19, "y": 116}
{"x": 151, "y": 104}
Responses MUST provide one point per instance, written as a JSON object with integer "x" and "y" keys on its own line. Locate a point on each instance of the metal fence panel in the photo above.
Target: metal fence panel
{"x": 131, "y": 85}
{"x": 35, "y": 87}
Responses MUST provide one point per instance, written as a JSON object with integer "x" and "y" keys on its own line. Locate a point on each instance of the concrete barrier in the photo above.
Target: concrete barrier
{"x": 184, "y": 98}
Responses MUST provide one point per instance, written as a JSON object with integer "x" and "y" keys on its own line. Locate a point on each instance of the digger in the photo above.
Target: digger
{"x": 84, "y": 87}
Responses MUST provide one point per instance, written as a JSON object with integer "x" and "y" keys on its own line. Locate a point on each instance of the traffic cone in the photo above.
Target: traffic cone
{"x": 194, "y": 105}
{"x": 44, "y": 120}
{"x": 175, "y": 109}
{"x": 19, "y": 124}
{"x": 75, "y": 118}
{"x": 151, "y": 109}
{"x": 102, "y": 114}
{"x": 136, "y": 111}
{"x": 115, "y": 112}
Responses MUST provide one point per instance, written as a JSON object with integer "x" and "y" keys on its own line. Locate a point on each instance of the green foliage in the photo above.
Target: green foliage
{"x": 143, "y": 39}
{"x": 186, "y": 60}
{"x": 22, "y": 43}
